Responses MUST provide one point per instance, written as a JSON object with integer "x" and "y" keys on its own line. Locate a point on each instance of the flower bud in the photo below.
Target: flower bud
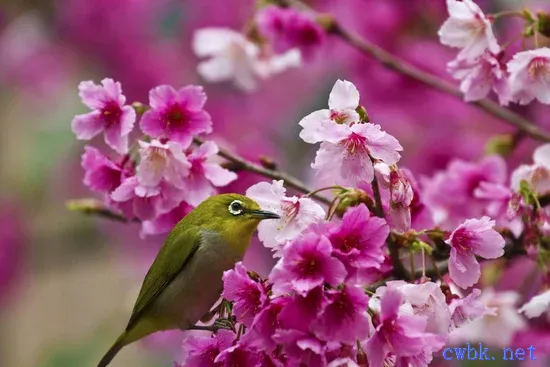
{"x": 500, "y": 144}
{"x": 353, "y": 197}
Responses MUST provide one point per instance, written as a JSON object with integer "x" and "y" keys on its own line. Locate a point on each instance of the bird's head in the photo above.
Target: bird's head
{"x": 234, "y": 216}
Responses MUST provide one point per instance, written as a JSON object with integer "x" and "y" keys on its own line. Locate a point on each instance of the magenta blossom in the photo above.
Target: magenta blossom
{"x": 397, "y": 334}
{"x": 473, "y": 237}
{"x": 304, "y": 349}
{"x": 204, "y": 173}
{"x": 248, "y": 295}
{"x": 238, "y": 355}
{"x": 306, "y": 263}
{"x": 202, "y": 351}
{"x": 297, "y": 213}
{"x": 345, "y": 318}
{"x": 101, "y": 174}
{"x": 301, "y": 311}
{"x": 529, "y": 76}
{"x": 109, "y": 114}
{"x": 343, "y": 100}
{"x": 177, "y": 115}
{"x": 162, "y": 161}
{"x": 346, "y": 157}
{"x": 359, "y": 241}
{"x": 143, "y": 202}
{"x": 288, "y": 28}
{"x": 260, "y": 334}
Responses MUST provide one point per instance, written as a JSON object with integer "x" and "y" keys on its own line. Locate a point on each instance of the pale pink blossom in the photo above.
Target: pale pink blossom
{"x": 537, "y": 175}
{"x": 343, "y": 100}
{"x": 468, "y": 308}
{"x": 297, "y": 213}
{"x": 346, "y": 158}
{"x": 474, "y": 237}
{"x": 162, "y": 161}
{"x": 109, "y": 114}
{"x": 469, "y": 29}
{"x": 537, "y": 305}
{"x": 495, "y": 330}
{"x": 479, "y": 76}
{"x": 530, "y": 76}
{"x": 401, "y": 197}
{"x": 231, "y": 57}
{"x": 205, "y": 173}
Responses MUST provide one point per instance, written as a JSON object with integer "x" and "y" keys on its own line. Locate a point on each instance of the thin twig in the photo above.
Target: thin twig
{"x": 394, "y": 63}
{"x": 245, "y": 165}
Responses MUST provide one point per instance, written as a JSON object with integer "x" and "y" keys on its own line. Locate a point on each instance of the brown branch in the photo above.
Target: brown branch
{"x": 243, "y": 164}
{"x": 96, "y": 208}
{"x": 394, "y": 63}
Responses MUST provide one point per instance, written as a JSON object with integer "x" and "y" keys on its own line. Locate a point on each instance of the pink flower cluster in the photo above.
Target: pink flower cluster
{"x": 312, "y": 310}
{"x": 480, "y": 66}
{"x": 170, "y": 177}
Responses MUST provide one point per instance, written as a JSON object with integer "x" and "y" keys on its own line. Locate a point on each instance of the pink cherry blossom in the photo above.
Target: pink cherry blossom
{"x": 306, "y": 264}
{"x": 537, "y": 305}
{"x": 164, "y": 223}
{"x": 401, "y": 197}
{"x": 300, "y": 311}
{"x": 530, "y": 76}
{"x": 447, "y": 191}
{"x": 202, "y": 351}
{"x": 479, "y": 76}
{"x": 497, "y": 330}
{"x": 537, "y": 175}
{"x": 469, "y": 29}
{"x": 345, "y": 318}
{"x": 177, "y": 115}
{"x": 346, "y": 158}
{"x": 101, "y": 174}
{"x": 473, "y": 237}
{"x": 287, "y": 28}
{"x": 297, "y": 213}
{"x": 238, "y": 355}
{"x": 204, "y": 173}
{"x": 304, "y": 348}
{"x": 260, "y": 334}
{"x": 232, "y": 57}
{"x": 320, "y": 125}
{"x": 109, "y": 114}
{"x": 468, "y": 308}
{"x": 248, "y": 295}
{"x": 426, "y": 300}
{"x": 359, "y": 241}
{"x": 162, "y": 161}
{"x": 397, "y": 334}
{"x": 143, "y": 202}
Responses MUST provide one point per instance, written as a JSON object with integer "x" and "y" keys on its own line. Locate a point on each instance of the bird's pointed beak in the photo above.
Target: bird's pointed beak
{"x": 263, "y": 214}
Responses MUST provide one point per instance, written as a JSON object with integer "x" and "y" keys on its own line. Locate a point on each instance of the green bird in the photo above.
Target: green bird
{"x": 185, "y": 279}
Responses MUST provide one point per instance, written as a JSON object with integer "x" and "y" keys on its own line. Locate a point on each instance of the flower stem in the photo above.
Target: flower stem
{"x": 379, "y": 208}
{"x": 508, "y": 13}
{"x": 324, "y": 189}
{"x": 403, "y": 67}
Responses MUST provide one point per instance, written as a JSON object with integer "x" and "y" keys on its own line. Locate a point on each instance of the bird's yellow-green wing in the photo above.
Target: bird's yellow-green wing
{"x": 174, "y": 255}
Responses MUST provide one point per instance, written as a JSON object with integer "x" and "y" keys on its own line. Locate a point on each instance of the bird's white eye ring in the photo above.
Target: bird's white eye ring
{"x": 236, "y": 207}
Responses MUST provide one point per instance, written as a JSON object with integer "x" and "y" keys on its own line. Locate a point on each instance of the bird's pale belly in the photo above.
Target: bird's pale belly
{"x": 194, "y": 290}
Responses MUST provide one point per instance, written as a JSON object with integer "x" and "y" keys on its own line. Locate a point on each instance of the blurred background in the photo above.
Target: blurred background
{"x": 68, "y": 282}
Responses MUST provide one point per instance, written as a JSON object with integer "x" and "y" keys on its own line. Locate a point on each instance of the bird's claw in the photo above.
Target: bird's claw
{"x": 220, "y": 323}
{"x": 223, "y": 323}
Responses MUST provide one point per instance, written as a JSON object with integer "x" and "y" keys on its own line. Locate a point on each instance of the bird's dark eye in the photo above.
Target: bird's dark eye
{"x": 236, "y": 207}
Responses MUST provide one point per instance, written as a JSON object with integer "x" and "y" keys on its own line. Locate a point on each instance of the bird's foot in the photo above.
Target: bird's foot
{"x": 220, "y": 323}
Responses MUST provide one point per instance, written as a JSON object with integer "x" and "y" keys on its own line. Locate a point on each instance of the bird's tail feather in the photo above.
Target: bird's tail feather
{"x": 112, "y": 352}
